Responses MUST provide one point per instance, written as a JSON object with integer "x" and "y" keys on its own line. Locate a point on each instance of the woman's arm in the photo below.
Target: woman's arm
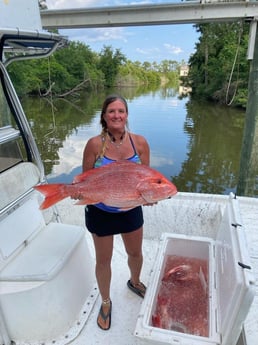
{"x": 143, "y": 149}
{"x": 90, "y": 153}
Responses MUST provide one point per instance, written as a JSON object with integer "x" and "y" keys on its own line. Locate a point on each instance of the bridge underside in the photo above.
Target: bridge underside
{"x": 151, "y": 14}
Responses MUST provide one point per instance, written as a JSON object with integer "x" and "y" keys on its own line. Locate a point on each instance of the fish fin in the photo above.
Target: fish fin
{"x": 81, "y": 177}
{"x": 86, "y": 202}
{"x": 125, "y": 208}
{"x": 53, "y": 194}
{"x": 93, "y": 202}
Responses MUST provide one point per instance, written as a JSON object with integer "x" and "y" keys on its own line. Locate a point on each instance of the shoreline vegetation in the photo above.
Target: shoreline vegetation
{"x": 217, "y": 71}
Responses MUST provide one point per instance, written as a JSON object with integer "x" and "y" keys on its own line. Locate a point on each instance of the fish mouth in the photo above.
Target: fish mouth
{"x": 172, "y": 194}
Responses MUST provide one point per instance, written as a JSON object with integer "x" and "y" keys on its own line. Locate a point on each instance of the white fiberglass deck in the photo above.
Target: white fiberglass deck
{"x": 191, "y": 214}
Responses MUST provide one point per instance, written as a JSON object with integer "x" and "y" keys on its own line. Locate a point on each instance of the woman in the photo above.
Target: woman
{"x": 115, "y": 143}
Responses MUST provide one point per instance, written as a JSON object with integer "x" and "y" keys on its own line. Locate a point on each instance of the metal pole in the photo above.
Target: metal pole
{"x": 248, "y": 172}
{"x": 3, "y": 330}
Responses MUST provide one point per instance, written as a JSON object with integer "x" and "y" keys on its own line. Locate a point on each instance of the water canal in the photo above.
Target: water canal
{"x": 196, "y": 145}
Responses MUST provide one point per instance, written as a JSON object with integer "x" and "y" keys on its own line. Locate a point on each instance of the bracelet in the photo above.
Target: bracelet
{"x": 106, "y": 301}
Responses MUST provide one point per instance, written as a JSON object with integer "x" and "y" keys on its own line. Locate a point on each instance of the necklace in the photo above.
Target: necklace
{"x": 114, "y": 141}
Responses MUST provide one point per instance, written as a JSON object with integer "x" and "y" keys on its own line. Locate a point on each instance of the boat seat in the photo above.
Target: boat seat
{"x": 45, "y": 288}
{"x": 45, "y": 255}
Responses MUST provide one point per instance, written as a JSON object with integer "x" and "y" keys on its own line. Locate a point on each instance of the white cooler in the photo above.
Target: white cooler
{"x": 228, "y": 286}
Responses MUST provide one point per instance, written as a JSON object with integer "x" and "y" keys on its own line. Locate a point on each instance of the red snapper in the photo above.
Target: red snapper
{"x": 121, "y": 184}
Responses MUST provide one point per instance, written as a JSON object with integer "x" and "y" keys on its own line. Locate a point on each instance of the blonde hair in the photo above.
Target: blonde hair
{"x": 104, "y": 135}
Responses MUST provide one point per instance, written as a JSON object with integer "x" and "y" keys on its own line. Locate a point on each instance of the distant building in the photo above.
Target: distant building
{"x": 184, "y": 70}
{"x": 184, "y": 90}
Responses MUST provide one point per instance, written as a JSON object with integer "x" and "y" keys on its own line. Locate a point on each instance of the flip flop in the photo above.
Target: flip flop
{"x": 139, "y": 288}
{"x": 105, "y": 317}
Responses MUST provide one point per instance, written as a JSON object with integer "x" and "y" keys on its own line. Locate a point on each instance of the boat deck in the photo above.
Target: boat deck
{"x": 188, "y": 214}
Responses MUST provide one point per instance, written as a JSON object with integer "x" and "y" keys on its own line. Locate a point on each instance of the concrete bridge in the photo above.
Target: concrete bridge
{"x": 150, "y": 14}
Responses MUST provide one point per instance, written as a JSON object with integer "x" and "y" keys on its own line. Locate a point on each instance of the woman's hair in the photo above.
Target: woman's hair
{"x": 108, "y": 100}
{"x": 104, "y": 132}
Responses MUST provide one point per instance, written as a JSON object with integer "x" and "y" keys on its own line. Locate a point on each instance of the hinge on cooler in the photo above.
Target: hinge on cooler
{"x": 236, "y": 225}
{"x": 244, "y": 265}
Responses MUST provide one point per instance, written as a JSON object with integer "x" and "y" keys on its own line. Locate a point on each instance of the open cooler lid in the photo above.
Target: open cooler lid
{"x": 235, "y": 281}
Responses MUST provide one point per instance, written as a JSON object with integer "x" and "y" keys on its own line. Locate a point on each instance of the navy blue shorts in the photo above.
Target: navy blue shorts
{"x": 104, "y": 223}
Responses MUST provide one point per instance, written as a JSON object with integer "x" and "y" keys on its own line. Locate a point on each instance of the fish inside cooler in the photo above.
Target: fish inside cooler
{"x": 180, "y": 306}
{"x": 182, "y": 298}
{"x": 182, "y": 301}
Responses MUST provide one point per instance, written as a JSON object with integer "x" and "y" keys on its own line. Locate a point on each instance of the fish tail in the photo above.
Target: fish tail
{"x": 53, "y": 194}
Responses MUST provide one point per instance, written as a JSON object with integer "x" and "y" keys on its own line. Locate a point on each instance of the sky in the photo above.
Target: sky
{"x": 142, "y": 43}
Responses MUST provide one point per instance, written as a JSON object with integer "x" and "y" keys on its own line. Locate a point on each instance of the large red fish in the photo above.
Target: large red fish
{"x": 182, "y": 303}
{"x": 121, "y": 184}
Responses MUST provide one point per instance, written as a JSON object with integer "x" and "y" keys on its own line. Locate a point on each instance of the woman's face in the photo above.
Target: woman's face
{"x": 116, "y": 116}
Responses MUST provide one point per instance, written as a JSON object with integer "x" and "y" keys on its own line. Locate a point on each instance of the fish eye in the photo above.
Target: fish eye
{"x": 159, "y": 181}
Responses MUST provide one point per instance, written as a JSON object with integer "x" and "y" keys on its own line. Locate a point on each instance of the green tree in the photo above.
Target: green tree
{"x": 109, "y": 62}
{"x": 63, "y": 71}
{"x": 218, "y": 68}
{"x": 75, "y": 67}
{"x": 80, "y": 63}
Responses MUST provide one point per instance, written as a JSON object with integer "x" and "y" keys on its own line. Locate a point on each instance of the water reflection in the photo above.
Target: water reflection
{"x": 197, "y": 145}
{"x": 215, "y": 138}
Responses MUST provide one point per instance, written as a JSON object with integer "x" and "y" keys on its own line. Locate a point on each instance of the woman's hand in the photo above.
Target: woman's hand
{"x": 76, "y": 196}
{"x": 150, "y": 204}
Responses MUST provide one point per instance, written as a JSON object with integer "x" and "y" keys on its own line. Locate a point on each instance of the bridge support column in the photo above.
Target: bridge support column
{"x": 248, "y": 172}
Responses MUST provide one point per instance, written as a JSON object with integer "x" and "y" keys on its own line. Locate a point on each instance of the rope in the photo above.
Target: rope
{"x": 51, "y": 101}
{"x": 233, "y": 67}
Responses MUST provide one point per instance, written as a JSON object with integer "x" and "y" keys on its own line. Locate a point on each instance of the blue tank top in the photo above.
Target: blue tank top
{"x": 104, "y": 161}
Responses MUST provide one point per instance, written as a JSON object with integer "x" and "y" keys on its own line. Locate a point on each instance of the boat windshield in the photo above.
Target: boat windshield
{"x": 16, "y": 140}
{"x": 11, "y": 143}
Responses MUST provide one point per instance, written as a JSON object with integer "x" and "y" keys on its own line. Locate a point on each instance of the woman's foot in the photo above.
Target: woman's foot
{"x": 104, "y": 317}
{"x": 138, "y": 288}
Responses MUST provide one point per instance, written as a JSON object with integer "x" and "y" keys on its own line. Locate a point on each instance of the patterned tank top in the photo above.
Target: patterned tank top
{"x": 104, "y": 161}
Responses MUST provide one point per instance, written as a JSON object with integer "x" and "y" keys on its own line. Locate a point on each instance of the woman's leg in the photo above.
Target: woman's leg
{"x": 103, "y": 249}
{"x": 133, "y": 247}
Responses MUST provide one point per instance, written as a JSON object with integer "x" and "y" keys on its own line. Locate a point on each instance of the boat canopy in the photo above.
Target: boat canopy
{"x": 20, "y": 45}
